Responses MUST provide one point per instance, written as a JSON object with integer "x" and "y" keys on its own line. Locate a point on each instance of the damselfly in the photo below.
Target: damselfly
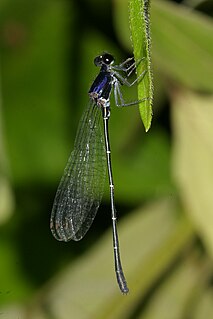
{"x": 81, "y": 188}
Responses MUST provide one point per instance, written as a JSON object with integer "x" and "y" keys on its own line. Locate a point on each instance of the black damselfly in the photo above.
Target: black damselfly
{"x": 81, "y": 188}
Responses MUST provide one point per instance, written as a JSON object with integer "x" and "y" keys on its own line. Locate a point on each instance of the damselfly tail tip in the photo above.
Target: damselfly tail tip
{"x": 125, "y": 291}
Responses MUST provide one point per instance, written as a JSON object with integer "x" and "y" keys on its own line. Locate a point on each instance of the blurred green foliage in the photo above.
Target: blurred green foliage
{"x": 163, "y": 179}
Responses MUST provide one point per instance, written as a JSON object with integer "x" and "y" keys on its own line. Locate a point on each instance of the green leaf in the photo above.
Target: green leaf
{"x": 141, "y": 40}
{"x": 204, "y": 308}
{"x": 183, "y": 288}
{"x": 192, "y": 116}
{"x": 182, "y": 42}
{"x": 88, "y": 288}
{"x": 6, "y": 196}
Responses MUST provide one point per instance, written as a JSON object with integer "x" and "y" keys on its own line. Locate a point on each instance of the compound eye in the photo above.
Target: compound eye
{"x": 107, "y": 58}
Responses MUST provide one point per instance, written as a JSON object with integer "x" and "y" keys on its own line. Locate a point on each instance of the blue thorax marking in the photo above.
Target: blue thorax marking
{"x": 102, "y": 85}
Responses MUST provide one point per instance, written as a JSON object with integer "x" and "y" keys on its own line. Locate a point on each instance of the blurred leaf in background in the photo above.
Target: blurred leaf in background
{"x": 163, "y": 179}
{"x": 7, "y": 201}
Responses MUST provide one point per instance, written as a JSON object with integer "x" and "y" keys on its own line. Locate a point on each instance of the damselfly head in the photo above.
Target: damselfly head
{"x": 105, "y": 58}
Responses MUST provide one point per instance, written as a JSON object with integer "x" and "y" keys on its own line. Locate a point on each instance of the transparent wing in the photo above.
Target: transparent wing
{"x": 81, "y": 188}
